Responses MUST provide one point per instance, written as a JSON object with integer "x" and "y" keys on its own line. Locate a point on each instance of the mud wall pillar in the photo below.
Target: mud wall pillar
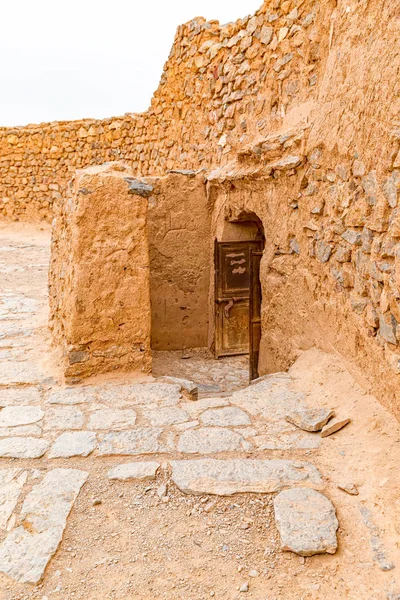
{"x": 99, "y": 278}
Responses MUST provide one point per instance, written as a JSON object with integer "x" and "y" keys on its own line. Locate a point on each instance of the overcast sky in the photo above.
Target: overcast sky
{"x": 62, "y": 60}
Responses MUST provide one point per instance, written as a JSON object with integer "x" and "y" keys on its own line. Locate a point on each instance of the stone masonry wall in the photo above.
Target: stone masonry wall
{"x": 221, "y": 87}
{"x": 326, "y": 190}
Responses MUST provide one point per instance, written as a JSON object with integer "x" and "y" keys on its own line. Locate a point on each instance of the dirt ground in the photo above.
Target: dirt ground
{"x": 133, "y": 541}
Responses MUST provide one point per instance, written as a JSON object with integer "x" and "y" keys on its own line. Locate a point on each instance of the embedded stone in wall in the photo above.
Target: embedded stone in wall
{"x": 99, "y": 275}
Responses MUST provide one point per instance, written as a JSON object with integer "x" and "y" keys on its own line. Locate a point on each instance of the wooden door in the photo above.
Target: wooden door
{"x": 254, "y": 313}
{"x": 232, "y": 293}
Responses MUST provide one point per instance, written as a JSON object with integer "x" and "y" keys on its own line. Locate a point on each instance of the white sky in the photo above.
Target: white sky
{"x": 62, "y": 60}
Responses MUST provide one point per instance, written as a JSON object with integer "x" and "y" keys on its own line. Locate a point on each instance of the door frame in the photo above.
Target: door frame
{"x": 255, "y": 303}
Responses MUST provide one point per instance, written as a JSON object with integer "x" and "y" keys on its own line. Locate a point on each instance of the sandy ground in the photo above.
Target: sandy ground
{"x": 123, "y": 541}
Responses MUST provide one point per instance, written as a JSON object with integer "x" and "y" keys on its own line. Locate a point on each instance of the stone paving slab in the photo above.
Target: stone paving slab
{"x": 135, "y": 470}
{"x": 210, "y": 440}
{"x": 63, "y": 417}
{"x": 112, "y": 419}
{"x": 20, "y": 396}
{"x": 70, "y": 396}
{"x": 196, "y": 408}
{"x": 26, "y": 551}
{"x": 12, "y": 416}
{"x": 75, "y": 443}
{"x": 228, "y": 416}
{"x": 22, "y": 430}
{"x": 166, "y": 416}
{"x": 306, "y": 521}
{"x": 141, "y": 393}
{"x": 11, "y": 484}
{"x": 227, "y": 477}
{"x": 310, "y": 419}
{"x": 143, "y": 440}
{"x": 20, "y": 373}
{"x": 23, "y": 447}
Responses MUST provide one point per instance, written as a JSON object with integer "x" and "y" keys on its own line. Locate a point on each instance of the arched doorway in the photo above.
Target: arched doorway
{"x": 237, "y": 256}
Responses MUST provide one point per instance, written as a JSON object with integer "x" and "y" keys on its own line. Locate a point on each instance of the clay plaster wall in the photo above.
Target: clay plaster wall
{"x": 99, "y": 274}
{"x": 179, "y": 224}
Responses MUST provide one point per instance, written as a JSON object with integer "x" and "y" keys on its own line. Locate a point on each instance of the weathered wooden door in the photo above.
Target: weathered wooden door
{"x": 232, "y": 293}
{"x": 254, "y": 313}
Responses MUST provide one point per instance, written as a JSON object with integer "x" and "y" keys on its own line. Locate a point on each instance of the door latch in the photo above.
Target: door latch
{"x": 228, "y": 307}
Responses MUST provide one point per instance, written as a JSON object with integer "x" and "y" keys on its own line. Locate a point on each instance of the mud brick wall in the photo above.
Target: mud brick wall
{"x": 99, "y": 282}
{"x": 179, "y": 226}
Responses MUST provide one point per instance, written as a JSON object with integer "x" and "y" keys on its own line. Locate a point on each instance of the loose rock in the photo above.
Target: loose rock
{"x": 306, "y": 521}
{"x": 310, "y": 419}
{"x": 334, "y": 426}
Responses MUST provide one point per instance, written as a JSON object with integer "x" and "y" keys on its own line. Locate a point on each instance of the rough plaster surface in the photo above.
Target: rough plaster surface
{"x": 99, "y": 273}
{"x": 179, "y": 222}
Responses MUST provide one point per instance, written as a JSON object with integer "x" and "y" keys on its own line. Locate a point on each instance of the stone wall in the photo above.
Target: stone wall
{"x": 99, "y": 274}
{"x": 221, "y": 87}
{"x": 326, "y": 189}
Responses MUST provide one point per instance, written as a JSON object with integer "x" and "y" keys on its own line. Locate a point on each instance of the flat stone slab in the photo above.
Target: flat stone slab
{"x": 211, "y": 439}
{"x": 306, "y": 521}
{"x": 287, "y": 441}
{"x": 75, "y": 443}
{"x": 140, "y": 393}
{"x": 22, "y": 396}
{"x": 134, "y": 470}
{"x": 26, "y": 551}
{"x": 63, "y": 417}
{"x": 12, "y": 416}
{"x": 170, "y": 415}
{"x": 271, "y": 398}
{"x": 143, "y": 440}
{"x": 22, "y": 430}
{"x": 239, "y": 475}
{"x": 23, "y": 447}
{"x": 196, "y": 408}
{"x": 73, "y": 395}
{"x": 334, "y": 426}
{"x": 11, "y": 483}
{"x": 310, "y": 419}
{"x": 228, "y": 416}
{"x": 187, "y": 386}
{"x": 112, "y": 419}
{"x": 17, "y": 373}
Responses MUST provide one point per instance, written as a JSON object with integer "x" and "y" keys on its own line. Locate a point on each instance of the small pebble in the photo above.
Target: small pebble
{"x": 253, "y": 573}
{"x": 244, "y": 587}
{"x": 162, "y": 490}
{"x": 349, "y": 488}
{"x": 96, "y": 502}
